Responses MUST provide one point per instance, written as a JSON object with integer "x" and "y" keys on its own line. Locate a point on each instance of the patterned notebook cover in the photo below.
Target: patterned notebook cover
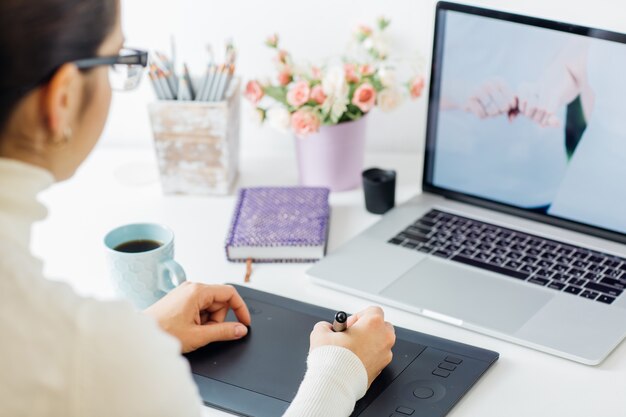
{"x": 281, "y": 218}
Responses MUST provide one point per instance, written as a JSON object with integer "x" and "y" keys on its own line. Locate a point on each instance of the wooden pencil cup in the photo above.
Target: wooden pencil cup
{"x": 197, "y": 144}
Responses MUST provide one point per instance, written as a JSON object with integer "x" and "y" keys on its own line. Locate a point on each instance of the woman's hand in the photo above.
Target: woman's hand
{"x": 493, "y": 98}
{"x": 368, "y": 335}
{"x": 194, "y": 313}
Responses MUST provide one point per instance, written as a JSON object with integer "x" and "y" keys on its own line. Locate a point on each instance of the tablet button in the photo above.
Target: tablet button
{"x": 423, "y": 393}
{"x": 453, "y": 359}
{"x": 405, "y": 410}
{"x": 441, "y": 372}
{"x": 447, "y": 366}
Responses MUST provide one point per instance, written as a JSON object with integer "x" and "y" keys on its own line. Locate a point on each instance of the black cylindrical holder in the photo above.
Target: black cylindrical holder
{"x": 379, "y": 187}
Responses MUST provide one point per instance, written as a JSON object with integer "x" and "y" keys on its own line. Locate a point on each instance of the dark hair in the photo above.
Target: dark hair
{"x": 38, "y": 36}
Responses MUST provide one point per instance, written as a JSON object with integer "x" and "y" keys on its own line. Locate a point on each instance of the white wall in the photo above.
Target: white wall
{"x": 311, "y": 30}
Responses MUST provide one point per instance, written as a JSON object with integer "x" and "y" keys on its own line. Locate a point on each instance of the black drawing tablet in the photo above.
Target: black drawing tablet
{"x": 259, "y": 375}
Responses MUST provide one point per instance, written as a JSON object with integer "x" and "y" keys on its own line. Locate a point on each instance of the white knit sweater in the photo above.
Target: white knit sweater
{"x": 64, "y": 355}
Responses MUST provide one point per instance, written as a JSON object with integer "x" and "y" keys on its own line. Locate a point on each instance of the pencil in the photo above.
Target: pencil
{"x": 165, "y": 65}
{"x": 169, "y": 94}
{"x": 226, "y": 83}
{"x": 155, "y": 85}
{"x": 189, "y": 82}
{"x": 216, "y": 83}
{"x": 202, "y": 86}
{"x": 212, "y": 83}
{"x": 184, "y": 93}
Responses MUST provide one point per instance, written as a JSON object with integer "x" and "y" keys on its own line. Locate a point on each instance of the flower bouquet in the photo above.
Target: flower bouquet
{"x": 305, "y": 97}
{"x": 324, "y": 105}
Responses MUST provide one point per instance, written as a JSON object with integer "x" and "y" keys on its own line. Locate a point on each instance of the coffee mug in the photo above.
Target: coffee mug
{"x": 141, "y": 262}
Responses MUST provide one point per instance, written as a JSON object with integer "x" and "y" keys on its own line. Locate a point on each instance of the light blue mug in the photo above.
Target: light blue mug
{"x": 141, "y": 261}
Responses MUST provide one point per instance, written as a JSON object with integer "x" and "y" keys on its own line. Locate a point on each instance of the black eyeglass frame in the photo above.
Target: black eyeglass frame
{"x": 139, "y": 57}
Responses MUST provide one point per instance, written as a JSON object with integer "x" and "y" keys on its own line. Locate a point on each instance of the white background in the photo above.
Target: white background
{"x": 311, "y": 30}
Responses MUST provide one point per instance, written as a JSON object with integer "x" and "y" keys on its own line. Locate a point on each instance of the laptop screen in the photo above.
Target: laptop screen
{"x": 529, "y": 116}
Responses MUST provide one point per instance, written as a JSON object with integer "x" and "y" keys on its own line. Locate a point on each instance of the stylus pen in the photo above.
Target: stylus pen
{"x": 340, "y": 324}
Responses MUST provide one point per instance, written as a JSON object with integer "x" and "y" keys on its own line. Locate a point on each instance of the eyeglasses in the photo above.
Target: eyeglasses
{"x": 125, "y": 69}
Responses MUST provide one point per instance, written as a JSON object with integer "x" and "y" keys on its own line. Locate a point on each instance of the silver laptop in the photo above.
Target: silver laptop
{"x": 519, "y": 232}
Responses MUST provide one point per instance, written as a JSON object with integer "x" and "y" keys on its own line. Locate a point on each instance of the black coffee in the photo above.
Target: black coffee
{"x": 135, "y": 246}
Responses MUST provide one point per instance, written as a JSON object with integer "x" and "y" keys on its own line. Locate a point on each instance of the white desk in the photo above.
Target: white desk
{"x": 120, "y": 186}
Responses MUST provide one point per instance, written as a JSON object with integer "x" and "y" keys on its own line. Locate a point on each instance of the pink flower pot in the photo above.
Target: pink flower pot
{"x": 333, "y": 157}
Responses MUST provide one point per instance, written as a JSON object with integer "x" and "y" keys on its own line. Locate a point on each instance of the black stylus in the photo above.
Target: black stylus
{"x": 340, "y": 323}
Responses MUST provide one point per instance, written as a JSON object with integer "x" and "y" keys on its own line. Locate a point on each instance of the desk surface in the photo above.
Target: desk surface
{"x": 117, "y": 186}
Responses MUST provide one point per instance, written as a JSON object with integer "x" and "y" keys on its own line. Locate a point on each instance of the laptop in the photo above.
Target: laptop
{"x": 520, "y": 229}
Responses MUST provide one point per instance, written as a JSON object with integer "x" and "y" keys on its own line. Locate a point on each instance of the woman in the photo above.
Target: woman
{"x": 63, "y": 355}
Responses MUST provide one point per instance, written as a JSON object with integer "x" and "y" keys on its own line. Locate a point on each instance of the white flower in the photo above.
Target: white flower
{"x": 336, "y": 89}
{"x": 389, "y": 98}
{"x": 334, "y": 82}
{"x": 387, "y": 77}
{"x": 278, "y": 118}
{"x": 378, "y": 44}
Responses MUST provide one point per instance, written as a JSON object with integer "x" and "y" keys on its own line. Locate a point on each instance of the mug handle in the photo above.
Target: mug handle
{"x": 171, "y": 275}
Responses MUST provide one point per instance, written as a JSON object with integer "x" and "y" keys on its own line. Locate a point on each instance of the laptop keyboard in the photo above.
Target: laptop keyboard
{"x": 549, "y": 263}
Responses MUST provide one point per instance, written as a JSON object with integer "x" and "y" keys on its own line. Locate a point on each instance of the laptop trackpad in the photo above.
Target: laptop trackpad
{"x": 475, "y": 297}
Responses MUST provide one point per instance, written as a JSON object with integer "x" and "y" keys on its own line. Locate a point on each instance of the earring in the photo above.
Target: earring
{"x": 67, "y": 136}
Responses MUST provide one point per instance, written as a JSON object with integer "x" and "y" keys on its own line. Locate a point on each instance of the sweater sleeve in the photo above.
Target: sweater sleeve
{"x": 127, "y": 366}
{"x": 335, "y": 379}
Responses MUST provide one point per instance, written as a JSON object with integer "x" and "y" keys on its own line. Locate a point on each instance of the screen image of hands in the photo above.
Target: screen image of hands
{"x": 538, "y": 100}
{"x": 494, "y": 98}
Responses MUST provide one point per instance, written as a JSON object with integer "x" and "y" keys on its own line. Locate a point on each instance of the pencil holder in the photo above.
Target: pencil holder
{"x": 197, "y": 144}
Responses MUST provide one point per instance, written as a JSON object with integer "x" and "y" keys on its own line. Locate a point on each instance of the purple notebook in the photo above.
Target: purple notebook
{"x": 279, "y": 224}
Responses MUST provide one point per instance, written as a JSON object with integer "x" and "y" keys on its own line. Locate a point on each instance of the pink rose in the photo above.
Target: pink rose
{"x": 254, "y": 91}
{"x": 298, "y": 94}
{"x": 364, "y": 97}
{"x": 351, "y": 75}
{"x": 285, "y": 77}
{"x": 305, "y": 121}
{"x": 416, "y": 86}
{"x": 317, "y": 94}
{"x": 366, "y": 70}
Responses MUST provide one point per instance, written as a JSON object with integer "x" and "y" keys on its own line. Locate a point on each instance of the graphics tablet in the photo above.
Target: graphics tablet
{"x": 259, "y": 375}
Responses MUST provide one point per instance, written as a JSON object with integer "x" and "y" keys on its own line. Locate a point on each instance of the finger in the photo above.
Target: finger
{"x": 473, "y": 106}
{"x": 501, "y": 97}
{"x": 525, "y": 91}
{"x": 218, "y": 332}
{"x": 372, "y": 311}
{"x": 219, "y": 315}
{"x": 322, "y": 327}
{"x": 523, "y": 106}
{"x": 538, "y": 116}
{"x": 351, "y": 320}
{"x": 545, "y": 118}
{"x": 530, "y": 111}
{"x": 489, "y": 99}
{"x": 502, "y": 101}
{"x": 514, "y": 103}
{"x": 227, "y": 294}
{"x": 204, "y": 317}
{"x": 390, "y": 327}
{"x": 554, "y": 121}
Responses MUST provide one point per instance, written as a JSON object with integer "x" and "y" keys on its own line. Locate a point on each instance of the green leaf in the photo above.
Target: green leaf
{"x": 277, "y": 93}
{"x": 383, "y": 23}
